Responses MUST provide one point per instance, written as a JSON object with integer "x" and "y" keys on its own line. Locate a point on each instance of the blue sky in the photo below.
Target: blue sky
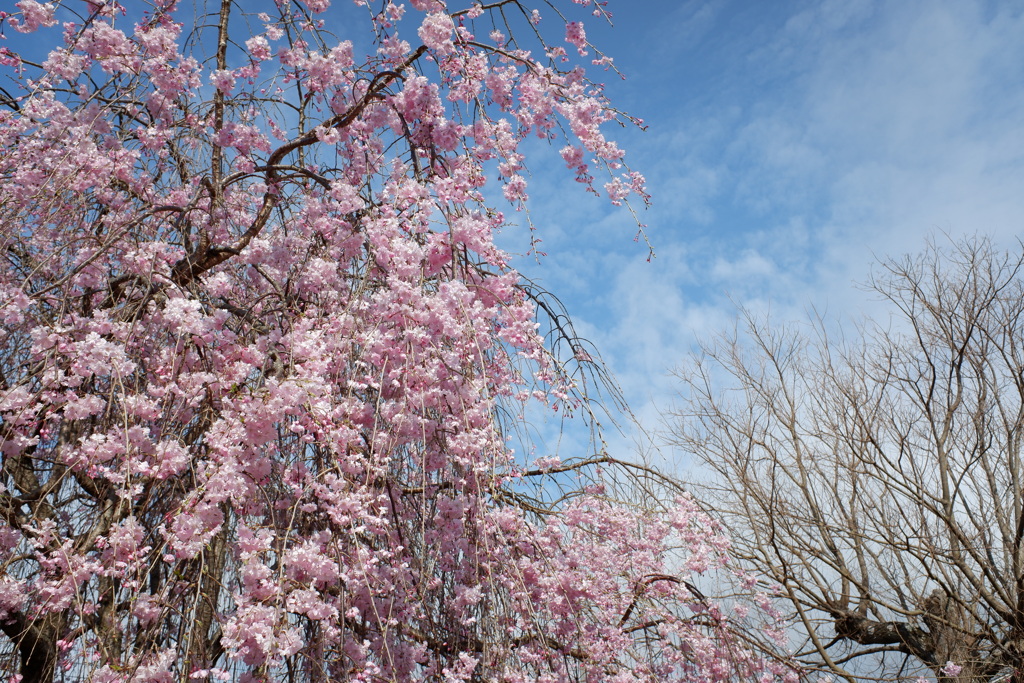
{"x": 789, "y": 145}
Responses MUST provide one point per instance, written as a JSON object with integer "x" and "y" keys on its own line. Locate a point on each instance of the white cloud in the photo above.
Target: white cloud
{"x": 864, "y": 126}
{"x": 786, "y": 152}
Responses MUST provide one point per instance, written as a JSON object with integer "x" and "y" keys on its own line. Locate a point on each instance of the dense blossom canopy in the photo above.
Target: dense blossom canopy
{"x": 259, "y": 356}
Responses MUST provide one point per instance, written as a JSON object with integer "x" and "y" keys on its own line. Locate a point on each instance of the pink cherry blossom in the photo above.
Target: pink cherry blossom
{"x": 34, "y": 15}
{"x": 223, "y": 80}
{"x": 259, "y": 48}
{"x": 265, "y": 368}
{"x": 575, "y": 35}
{"x": 952, "y": 670}
{"x": 436, "y": 32}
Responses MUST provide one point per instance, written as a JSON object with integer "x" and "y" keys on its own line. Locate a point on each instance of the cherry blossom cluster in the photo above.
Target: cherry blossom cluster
{"x": 258, "y": 354}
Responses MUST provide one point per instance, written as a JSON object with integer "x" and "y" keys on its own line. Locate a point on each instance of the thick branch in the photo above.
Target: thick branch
{"x": 197, "y": 263}
{"x": 37, "y": 645}
{"x": 858, "y": 628}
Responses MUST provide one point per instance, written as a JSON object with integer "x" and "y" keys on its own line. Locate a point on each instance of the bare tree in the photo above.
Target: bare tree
{"x": 877, "y": 477}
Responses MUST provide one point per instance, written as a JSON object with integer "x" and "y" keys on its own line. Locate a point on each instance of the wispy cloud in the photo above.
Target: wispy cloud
{"x": 786, "y": 151}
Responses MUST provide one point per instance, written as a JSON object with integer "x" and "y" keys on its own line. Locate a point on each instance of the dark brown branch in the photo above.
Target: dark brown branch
{"x": 912, "y": 640}
{"x": 195, "y": 264}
